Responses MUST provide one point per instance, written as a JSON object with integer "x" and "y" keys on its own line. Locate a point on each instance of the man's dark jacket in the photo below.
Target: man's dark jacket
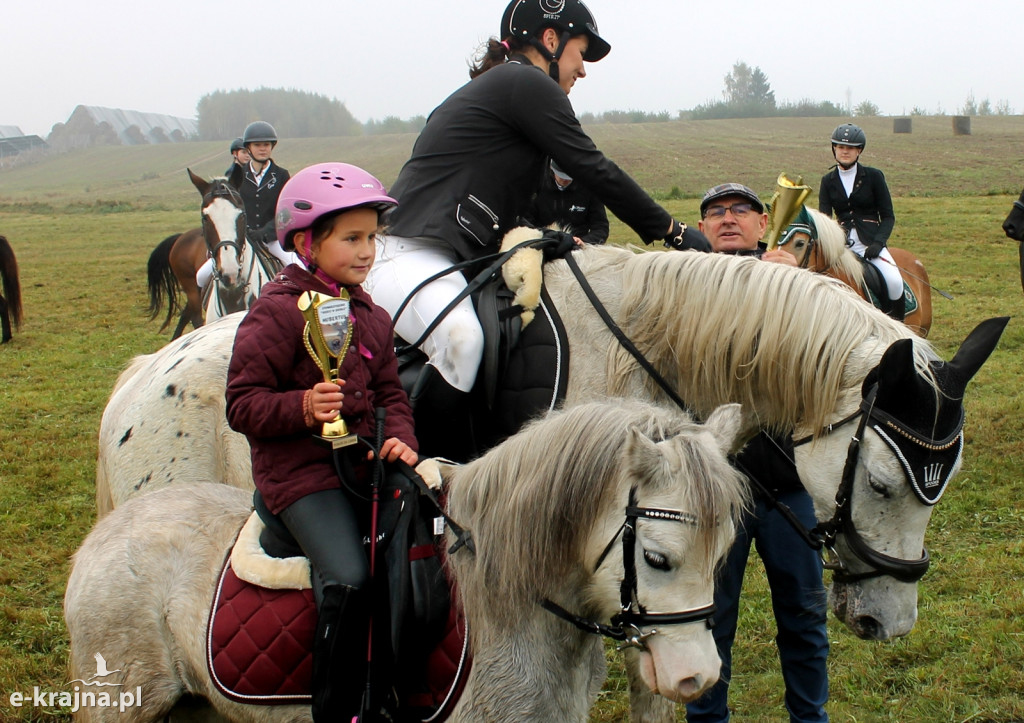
{"x": 574, "y": 209}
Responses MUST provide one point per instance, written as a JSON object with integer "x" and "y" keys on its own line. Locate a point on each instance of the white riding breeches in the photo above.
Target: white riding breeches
{"x": 456, "y": 345}
{"x": 204, "y": 273}
{"x": 285, "y": 257}
{"x": 888, "y": 268}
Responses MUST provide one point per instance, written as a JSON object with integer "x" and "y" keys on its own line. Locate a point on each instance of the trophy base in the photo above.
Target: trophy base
{"x": 337, "y": 442}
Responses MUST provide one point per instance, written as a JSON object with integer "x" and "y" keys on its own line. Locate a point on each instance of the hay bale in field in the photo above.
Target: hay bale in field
{"x": 901, "y": 125}
{"x": 961, "y": 125}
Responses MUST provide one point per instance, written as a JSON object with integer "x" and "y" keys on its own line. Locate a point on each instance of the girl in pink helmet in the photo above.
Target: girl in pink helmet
{"x": 329, "y": 214}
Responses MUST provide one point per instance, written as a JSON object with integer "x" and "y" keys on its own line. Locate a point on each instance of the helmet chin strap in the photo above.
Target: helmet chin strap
{"x": 552, "y": 58}
{"x": 844, "y": 166}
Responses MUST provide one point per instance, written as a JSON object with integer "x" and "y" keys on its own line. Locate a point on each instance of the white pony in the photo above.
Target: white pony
{"x": 793, "y": 347}
{"x": 547, "y": 511}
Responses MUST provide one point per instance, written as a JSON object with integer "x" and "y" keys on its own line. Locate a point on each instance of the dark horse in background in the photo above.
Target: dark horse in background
{"x": 172, "y": 266}
{"x": 10, "y": 300}
{"x": 1014, "y": 228}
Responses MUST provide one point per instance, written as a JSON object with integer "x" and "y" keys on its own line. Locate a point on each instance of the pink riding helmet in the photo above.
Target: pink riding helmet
{"x": 322, "y": 189}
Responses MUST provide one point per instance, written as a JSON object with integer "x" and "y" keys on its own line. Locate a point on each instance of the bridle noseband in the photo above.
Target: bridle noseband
{"x": 626, "y": 626}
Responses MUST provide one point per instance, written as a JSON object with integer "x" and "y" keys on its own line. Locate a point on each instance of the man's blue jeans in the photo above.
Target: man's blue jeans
{"x": 798, "y": 601}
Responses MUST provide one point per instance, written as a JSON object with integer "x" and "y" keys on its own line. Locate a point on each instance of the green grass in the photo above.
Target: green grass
{"x": 84, "y": 224}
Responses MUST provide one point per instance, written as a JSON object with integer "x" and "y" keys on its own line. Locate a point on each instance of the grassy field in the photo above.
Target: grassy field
{"x": 84, "y": 224}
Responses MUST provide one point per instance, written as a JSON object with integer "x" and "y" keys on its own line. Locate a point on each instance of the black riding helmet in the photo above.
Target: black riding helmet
{"x": 259, "y": 132}
{"x": 523, "y": 19}
{"x": 848, "y": 135}
{"x": 237, "y": 145}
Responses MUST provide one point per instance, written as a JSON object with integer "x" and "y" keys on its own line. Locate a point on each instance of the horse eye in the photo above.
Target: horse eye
{"x": 879, "y": 487}
{"x": 656, "y": 560}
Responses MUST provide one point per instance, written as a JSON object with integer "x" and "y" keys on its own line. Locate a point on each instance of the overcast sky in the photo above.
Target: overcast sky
{"x": 402, "y": 57}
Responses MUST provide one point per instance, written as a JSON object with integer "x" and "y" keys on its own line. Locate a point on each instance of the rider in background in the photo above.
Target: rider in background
{"x": 859, "y": 198}
{"x": 259, "y": 183}
{"x": 239, "y": 155}
{"x": 570, "y": 206}
{"x": 472, "y": 175}
{"x": 330, "y": 214}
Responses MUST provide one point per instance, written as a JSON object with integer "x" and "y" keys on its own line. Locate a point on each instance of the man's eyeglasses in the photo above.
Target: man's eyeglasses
{"x": 739, "y": 210}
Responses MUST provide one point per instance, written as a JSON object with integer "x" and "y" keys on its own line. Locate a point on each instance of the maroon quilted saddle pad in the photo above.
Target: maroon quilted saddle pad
{"x": 259, "y": 644}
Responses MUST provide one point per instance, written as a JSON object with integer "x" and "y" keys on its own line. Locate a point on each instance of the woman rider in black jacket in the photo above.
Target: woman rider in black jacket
{"x": 473, "y": 172}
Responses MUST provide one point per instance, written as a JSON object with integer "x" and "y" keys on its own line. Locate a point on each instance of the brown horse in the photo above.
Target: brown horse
{"x": 828, "y": 254}
{"x": 240, "y": 267}
{"x": 1013, "y": 226}
{"x": 10, "y": 300}
{"x": 172, "y": 266}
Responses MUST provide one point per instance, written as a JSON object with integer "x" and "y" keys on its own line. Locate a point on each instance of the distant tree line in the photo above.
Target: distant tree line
{"x": 223, "y": 115}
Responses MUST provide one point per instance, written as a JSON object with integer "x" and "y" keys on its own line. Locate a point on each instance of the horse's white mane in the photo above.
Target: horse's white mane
{"x": 835, "y": 254}
{"x": 531, "y": 501}
{"x": 716, "y": 326}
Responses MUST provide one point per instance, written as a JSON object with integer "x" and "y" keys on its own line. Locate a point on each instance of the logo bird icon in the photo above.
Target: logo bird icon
{"x": 101, "y": 668}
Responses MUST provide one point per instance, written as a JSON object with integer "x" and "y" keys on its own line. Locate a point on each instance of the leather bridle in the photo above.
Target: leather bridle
{"x": 626, "y": 626}
{"x": 841, "y": 522}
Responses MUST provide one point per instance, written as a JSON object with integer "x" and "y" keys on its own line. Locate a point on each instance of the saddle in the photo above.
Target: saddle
{"x": 525, "y": 367}
{"x": 263, "y": 619}
{"x": 874, "y": 286}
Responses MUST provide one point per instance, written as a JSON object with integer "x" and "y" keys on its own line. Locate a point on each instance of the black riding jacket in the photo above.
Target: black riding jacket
{"x": 867, "y": 209}
{"x": 573, "y": 208}
{"x": 477, "y": 163}
{"x": 260, "y": 201}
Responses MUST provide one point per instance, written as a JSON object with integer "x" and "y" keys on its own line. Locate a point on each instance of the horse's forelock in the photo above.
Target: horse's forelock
{"x": 532, "y": 501}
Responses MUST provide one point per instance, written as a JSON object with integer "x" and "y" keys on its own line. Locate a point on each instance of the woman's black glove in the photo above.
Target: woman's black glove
{"x": 683, "y": 238}
{"x": 872, "y": 251}
{"x": 557, "y": 244}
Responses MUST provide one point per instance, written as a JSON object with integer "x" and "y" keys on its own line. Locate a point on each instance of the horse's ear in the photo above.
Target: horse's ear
{"x": 975, "y": 351}
{"x": 645, "y": 459}
{"x": 725, "y": 425}
{"x": 201, "y": 184}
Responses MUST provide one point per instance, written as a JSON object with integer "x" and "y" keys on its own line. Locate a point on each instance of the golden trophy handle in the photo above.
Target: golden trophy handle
{"x": 785, "y": 205}
{"x": 326, "y": 335}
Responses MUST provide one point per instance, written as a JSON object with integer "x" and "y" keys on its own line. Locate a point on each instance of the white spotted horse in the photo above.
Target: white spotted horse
{"x": 788, "y": 363}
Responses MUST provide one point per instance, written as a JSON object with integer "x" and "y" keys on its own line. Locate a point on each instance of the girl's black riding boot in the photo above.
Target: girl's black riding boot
{"x": 898, "y": 307}
{"x": 339, "y": 655}
{"x": 442, "y": 415}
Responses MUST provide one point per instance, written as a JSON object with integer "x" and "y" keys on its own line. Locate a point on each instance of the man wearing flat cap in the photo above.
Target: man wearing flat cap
{"x": 733, "y": 219}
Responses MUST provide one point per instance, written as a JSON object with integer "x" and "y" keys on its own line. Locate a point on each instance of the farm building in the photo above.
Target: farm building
{"x": 134, "y": 127}
{"x": 14, "y": 142}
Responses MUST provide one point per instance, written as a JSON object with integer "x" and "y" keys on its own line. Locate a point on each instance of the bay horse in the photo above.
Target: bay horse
{"x": 784, "y": 356}
{"x": 827, "y": 253}
{"x": 172, "y": 267}
{"x": 240, "y": 270}
{"x": 546, "y": 510}
{"x": 1013, "y": 227}
{"x": 10, "y": 300}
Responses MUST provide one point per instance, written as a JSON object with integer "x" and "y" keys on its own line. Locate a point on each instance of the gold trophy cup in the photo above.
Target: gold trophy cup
{"x": 327, "y": 335}
{"x": 785, "y": 205}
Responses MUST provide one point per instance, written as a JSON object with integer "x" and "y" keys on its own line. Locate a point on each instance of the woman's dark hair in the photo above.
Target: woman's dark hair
{"x": 494, "y": 52}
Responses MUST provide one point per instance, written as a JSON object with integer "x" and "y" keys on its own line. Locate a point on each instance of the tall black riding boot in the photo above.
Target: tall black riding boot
{"x": 339, "y": 655}
{"x": 898, "y": 307}
{"x": 442, "y": 415}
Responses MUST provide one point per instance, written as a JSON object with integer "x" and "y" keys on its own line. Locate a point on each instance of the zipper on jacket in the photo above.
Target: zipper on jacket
{"x": 488, "y": 211}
